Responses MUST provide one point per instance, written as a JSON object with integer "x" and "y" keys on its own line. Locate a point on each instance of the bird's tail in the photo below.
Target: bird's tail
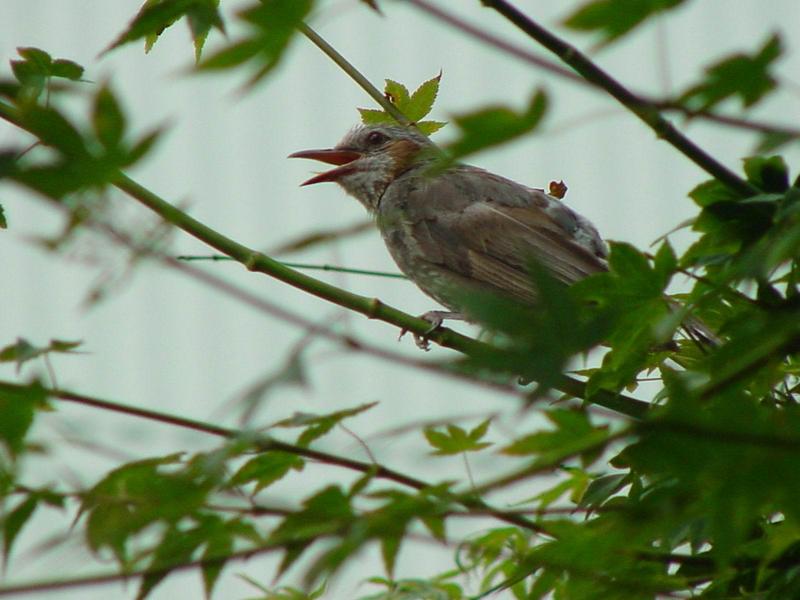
{"x": 695, "y": 329}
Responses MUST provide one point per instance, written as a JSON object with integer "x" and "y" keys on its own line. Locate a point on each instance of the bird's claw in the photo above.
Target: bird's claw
{"x": 435, "y": 318}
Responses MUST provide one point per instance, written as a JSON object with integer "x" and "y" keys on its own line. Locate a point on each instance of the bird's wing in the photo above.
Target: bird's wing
{"x": 487, "y": 228}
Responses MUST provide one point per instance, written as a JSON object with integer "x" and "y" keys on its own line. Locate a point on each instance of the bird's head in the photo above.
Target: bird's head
{"x": 368, "y": 159}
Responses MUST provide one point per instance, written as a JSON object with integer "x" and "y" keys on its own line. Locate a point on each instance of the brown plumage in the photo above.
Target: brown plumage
{"x": 463, "y": 227}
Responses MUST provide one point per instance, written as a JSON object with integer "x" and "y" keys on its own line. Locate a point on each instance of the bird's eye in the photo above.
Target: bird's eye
{"x": 376, "y": 138}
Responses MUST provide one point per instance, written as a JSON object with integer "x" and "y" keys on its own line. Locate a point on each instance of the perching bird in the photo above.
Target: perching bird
{"x": 463, "y": 227}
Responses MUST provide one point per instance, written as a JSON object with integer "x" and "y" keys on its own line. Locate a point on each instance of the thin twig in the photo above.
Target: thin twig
{"x": 296, "y": 265}
{"x": 354, "y": 74}
{"x": 261, "y": 442}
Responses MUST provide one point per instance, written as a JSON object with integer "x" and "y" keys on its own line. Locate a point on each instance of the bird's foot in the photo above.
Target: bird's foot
{"x": 435, "y": 318}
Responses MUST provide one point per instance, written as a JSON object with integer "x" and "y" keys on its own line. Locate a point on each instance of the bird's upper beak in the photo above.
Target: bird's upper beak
{"x": 333, "y": 156}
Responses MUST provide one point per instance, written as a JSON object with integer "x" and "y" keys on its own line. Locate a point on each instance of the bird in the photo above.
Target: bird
{"x": 462, "y": 227}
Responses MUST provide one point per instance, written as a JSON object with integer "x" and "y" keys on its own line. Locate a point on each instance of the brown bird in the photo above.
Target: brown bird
{"x": 463, "y": 227}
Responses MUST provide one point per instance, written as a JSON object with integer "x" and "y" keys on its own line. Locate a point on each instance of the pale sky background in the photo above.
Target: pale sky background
{"x": 163, "y": 341}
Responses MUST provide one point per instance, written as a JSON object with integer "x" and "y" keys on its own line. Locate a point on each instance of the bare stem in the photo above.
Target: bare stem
{"x": 354, "y": 74}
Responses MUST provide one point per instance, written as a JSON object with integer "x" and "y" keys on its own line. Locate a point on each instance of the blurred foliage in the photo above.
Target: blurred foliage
{"x": 746, "y": 77}
{"x": 273, "y": 24}
{"x": 612, "y": 19}
{"x": 494, "y": 125}
{"x": 697, "y": 498}
{"x": 156, "y": 16}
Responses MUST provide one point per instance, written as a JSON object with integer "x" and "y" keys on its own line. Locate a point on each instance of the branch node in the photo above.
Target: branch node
{"x": 374, "y": 308}
{"x": 252, "y": 261}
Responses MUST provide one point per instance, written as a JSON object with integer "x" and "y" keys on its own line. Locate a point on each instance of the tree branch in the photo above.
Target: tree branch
{"x": 370, "y": 307}
{"x": 642, "y": 109}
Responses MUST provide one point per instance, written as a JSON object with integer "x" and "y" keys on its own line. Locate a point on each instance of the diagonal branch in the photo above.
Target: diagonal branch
{"x": 266, "y": 443}
{"x": 370, "y": 307}
{"x": 642, "y": 109}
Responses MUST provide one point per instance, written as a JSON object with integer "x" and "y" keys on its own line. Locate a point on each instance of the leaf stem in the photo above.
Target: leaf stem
{"x": 354, "y": 74}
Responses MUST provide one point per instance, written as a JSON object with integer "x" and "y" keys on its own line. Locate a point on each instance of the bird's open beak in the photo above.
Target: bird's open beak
{"x": 334, "y": 156}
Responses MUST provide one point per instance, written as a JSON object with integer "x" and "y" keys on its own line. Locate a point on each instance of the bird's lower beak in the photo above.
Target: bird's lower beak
{"x": 334, "y": 156}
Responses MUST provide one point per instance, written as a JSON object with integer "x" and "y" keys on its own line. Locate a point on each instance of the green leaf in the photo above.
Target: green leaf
{"x": 768, "y": 173}
{"x": 414, "y": 106}
{"x": 265, "y": 469}
{"x": 20, "y": 352}
{"x": 712, "y": 191}
{"x": 176, "y": 547}
{"x": 108, "y": 119}
{"x": 142, "y": 147}
{"x": 15, "y": 520}
{"x": 3, "y": 220}
{"x": 30, "y": 78}
{"x": 665, "y": 263}
{"x": 67, "y": 69}
{"x": 23, "y": 351}
{"x": 390, "y": 545}
{"x": 430, "y": 127}
{"x": 573, "y": 432}
{"x": 38, "y": 58}
{"x": 632, "y": 267}
{"x": 602, "y": 488}
{"x": 34, "y": 70}
{"x": 17, "y": 407}
{"x": 456, "y": 440}
{"x": 323, "y": 513}
{"x": 574, "y": 485}
{"x": 140, "y": 493}
{"x": 744, "y": 76}
{"x": 421, "y": 101}
{"x": 54, "y": 130}
{"x": 570, "y": 425}
{"x": 772, "y": 140}
{"x": 318, "y": 425}
{"x": 397, "y": 93}
{"x": 491, "y": 126}
{"x": 232, "y": 56}
{"x": 274, "y": 23}
{"x": 155, "y": 16}
{"x": 371, "y": 116}
{"x": 203, "y": 17}
{"x": 612, "y": 19}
